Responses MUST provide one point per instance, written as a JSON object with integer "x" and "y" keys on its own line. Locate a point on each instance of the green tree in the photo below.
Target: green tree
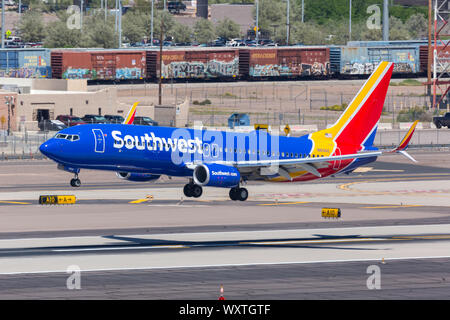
{"x": 417, "y": 26}
{"x": 227, "y": 28}
{"x": 133, "y": 25}
{"x": 398, "y": 30}
{"x": 204, "y": 31}
{"x": 181, "y": 33}
{"x": 99, "y": 34}
{"x": 31, "y": 27}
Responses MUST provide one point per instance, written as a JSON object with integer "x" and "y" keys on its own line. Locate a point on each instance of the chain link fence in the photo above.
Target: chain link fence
{"x": 273, "y": 103}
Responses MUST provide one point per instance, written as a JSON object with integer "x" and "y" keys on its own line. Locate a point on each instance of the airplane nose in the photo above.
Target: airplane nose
{"x": 49, "y": 148}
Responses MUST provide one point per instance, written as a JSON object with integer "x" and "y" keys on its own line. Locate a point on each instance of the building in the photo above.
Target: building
{"x": 34, "y": 100}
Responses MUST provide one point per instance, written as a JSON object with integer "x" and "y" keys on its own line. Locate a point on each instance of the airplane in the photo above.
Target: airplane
{"x": 229, "y": 159}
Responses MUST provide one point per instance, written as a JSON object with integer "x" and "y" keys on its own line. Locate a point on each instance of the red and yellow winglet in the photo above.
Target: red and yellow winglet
{"x": 130, "y": 116}
{"x": 405, "y": 142}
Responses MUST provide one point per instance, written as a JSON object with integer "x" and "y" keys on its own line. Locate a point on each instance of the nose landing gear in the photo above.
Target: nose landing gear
{"x": 75, "y": 182}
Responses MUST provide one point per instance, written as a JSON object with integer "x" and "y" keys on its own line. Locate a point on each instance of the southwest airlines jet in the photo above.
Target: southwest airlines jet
{"x": 228, "y": 159}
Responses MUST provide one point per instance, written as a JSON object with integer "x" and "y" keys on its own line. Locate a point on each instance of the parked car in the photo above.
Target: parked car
{"x": 145, "y": 121}
{"x": 70, "y": 121}
{"x": 114, "y": 118}
{"x": 176, "y": 6}
{"x": 442, "y": 121}
{"x": 92, "y": 118}
{"x": 51, "y": 125}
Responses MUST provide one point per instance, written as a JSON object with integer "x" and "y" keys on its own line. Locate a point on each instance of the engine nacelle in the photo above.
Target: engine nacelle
{"x": 132, "y": 176}
{"x": 216, "y": 175}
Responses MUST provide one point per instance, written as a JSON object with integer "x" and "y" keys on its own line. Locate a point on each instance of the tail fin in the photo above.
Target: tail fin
{"x": 130, "y": 116}
{"x": 405, "y": 142}
{"x": 358, "y": 122}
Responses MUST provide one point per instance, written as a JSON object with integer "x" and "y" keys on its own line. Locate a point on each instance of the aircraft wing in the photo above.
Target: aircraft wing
{"x": 284, "y": 166}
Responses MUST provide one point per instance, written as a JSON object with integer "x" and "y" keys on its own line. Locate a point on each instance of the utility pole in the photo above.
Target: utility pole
{"x": 385, "y": 20}
{"x": 106, "y": 8}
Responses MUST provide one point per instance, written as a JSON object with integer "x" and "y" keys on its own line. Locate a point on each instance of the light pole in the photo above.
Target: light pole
{"x": 257, "y": 26}
{"x": 303, "y": 11}
{"x": 120, "y": 24}
{"x": 8, "y": 103}
{"x": 81, "y": 15}
{"x": 287, "y": 23}
{"x": 350, "y": 22}
{"x": 385, "y": 20}
{"x": 151, "y": 26}
{"x": 3, "y": 25}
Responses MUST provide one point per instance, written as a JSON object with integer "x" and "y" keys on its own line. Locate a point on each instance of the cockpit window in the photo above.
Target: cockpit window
{"x": 70, "y": 137}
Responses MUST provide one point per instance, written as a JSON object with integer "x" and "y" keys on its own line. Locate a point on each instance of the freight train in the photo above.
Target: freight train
{"x": 356, "y": 59}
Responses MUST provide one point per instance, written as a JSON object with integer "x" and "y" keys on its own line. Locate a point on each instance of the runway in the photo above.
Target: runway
{"x": 279, "y": 264}
{"x": 276, "y": 245}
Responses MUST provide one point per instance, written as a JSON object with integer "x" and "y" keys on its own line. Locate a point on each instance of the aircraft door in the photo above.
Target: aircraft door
{"x": 99, "y": 140}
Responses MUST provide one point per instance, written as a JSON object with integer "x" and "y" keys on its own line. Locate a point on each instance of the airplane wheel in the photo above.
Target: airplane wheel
{"x": 187, "y": 190}
{"x": 242, "y": 194}
{"x": 197, "y": 191}
{"x": 234, "y": 194}
{"x": 75, "y": 183}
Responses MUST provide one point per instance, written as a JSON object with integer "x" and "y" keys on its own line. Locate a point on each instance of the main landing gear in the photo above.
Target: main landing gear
{"x": 192, "y": 190}
{"x": 75, "y": 182}
{"x": 238, "y": 193}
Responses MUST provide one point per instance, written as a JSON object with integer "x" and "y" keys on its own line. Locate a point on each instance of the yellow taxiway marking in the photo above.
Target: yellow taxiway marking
{"x": 278, "y": 203}
{"x": 388, "y": 207}
{"x": 139, "y": 201}
{"x": 14, "y": 202}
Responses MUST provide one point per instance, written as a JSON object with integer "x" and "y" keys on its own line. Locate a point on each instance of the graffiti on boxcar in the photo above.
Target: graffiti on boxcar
{"x": 368, "y": 67}
{"x": 275, "y": 70}
{"x": 358, "y": 68}
{"x": 40, "y": 72}
{"x": 211, "y": 69}
{"x": 315, "y": 69}
{"x": 402, "y": 67}
{"x": 79, "y": 73}
{"x": 128, "y": 73}
{"x": 217, "y": 68}
{"x": 270, "y": 70}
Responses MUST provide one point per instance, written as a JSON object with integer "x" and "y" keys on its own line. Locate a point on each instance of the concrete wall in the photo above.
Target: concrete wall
{"x": 60, "y": 84}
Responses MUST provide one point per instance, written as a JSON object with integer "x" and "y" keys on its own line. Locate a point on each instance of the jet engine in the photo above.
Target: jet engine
{"x": 216, "y": 175}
